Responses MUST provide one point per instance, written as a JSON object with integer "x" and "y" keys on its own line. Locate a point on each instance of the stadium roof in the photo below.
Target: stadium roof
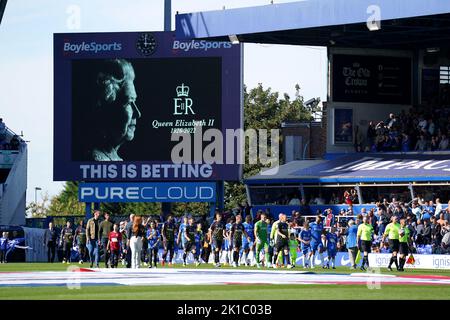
{"x": 2, "y": 9}
{"x": 362, "y": 167}
{"x": 340, "y": 23}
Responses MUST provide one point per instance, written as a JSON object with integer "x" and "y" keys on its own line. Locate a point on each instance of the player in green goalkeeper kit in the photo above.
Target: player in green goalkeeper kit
{"x": 392, "y": 231}
{"x": 261, "y": 240}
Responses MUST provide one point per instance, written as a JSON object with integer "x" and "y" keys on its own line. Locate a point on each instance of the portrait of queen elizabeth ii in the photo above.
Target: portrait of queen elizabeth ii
{"x": 105, "y": 113}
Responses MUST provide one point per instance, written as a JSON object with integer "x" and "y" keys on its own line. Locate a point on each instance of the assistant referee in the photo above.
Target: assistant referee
{"x": 365, "y": 233}
{"x": 392, "y": 231}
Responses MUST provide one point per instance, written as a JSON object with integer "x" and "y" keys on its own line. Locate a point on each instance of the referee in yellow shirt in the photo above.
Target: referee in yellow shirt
{"x": 392, "y": 231}
{"x": 365, "y": 232}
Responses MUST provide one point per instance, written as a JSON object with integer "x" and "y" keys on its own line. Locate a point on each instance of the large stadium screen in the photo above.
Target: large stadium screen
{"x": 126, "y": 103}
{"x": 372, "y": 79}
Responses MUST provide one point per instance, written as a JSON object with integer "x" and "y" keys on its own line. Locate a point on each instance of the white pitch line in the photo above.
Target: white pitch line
{"x": 178, "y": 276}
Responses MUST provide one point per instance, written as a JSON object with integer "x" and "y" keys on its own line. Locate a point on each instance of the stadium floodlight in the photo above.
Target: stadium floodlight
{"x": 233, "y": 39}
{"x": 2, "y": 9}
{"x": 311, "y": 102}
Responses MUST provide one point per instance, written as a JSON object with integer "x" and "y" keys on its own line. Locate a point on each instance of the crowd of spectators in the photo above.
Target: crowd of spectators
{"x": 349, "y": 197}
{"x": 428, "y": 222}
{"x": 408, "y": 131}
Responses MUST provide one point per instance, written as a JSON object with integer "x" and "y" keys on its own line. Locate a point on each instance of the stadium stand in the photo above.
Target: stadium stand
{"x": 415, "y": 130}
{"x": 13, "y": 177}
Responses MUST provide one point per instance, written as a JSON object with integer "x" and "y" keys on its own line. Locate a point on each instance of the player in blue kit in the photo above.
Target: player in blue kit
{"x": 331, "y": 240}
{"x": 248, "y": 245}
{"x": 238, "y": 233}
{"x": 3, "y": 247}
{"x": 199, "y": 238}
{"x": 181, "y": 239}
{"x": 227, "y": 243}
{"x": 304, "y": 237}
{"x": 316, "y": 241}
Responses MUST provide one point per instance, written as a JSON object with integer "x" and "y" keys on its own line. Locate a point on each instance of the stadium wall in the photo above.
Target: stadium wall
{"x": 12, "y": 203}
{"x": 34, "y": 238}
{"x": 422, "y": 261}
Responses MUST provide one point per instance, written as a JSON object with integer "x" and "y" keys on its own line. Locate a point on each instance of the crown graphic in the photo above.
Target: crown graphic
{"x": 182, "y": 91}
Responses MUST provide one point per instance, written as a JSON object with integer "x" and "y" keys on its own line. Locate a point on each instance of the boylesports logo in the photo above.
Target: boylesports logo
{"x": 93, "y": 46}
{"x": 200, "y": 45}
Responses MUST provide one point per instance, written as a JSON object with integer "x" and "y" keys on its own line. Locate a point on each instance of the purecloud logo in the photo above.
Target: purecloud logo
{"x": 91, "y": 47}
{"x": 200, "y": 45}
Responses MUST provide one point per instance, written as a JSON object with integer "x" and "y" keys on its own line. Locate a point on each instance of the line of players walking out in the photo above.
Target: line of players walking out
{"x": 235, "y": 241}
{"x": 273, "y": 245}
{"x": 278, "y": 243}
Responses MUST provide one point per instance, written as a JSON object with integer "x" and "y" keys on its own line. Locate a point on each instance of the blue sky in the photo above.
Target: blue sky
{"x": 26, "y": 63}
